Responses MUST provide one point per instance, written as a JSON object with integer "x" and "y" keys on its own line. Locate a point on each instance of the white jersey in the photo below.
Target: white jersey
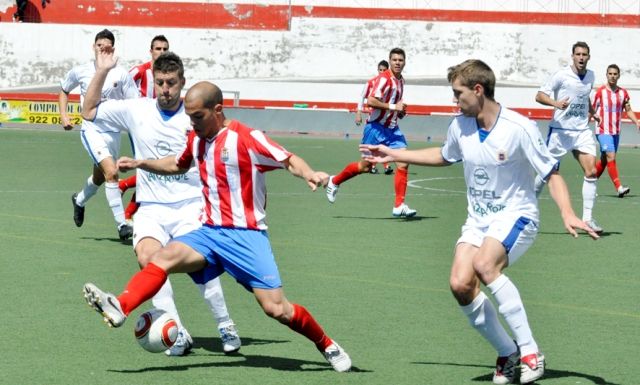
{"x": 567, "y": 84}
{"x": 499, "y": 171}
{"x": 117, "y": 85}
{"x": 154, "y": 135}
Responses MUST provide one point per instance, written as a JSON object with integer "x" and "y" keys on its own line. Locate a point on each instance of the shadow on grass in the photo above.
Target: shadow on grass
{"x": 548, "y": 373}
{"x": 389, "y": 218}
{"x": 214, "y": 344}
{"x": 250, "y": 361}
{"x": 582, "y": 233}
{"x": 128, "y": 242}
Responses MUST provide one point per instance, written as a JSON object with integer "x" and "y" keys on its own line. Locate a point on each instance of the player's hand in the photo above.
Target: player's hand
{"x": 66, "y": 123}
{"x": 125, "y": 164}
{"x": 563, "y": 104}
{"x": 105, "y": 57}
{"x": 596, "y": 118}
{"x": 316, "y": 179}
{"x": 572, "y": 223}
{"x": 358, "y": 118}
{"x": 376, "y": 153}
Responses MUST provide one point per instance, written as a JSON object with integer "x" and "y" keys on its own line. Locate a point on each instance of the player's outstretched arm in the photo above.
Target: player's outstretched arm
{"x": 164, "y": 166}
{"x": 105, "y": 61}
{"x": 560, "y": 194}
{"x": 430, "y": 156}
{"x": 298, "y": 167}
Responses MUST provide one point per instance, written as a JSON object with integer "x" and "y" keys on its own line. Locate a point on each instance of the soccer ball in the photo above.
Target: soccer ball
{"x": 156, "y": 331}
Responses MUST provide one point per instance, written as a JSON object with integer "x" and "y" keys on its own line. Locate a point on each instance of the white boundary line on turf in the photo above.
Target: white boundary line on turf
{"x": 413, "y": 183}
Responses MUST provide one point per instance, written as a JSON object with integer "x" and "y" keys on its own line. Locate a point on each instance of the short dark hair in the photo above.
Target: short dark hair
{"x": 383, "y": 63}
{"x": 105, "y": 34}
{"x": 580, "y": 44}
{"x": 398, "y": 51}
{"x": 472, "y": 72}
{"x": 169, "y": 62}
{"x": 615, "y": 66}
{"x": 159, "y": 38}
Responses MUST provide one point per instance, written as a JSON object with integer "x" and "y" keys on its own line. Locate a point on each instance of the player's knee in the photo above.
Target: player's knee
{"x": 461, "y": 288}
{"x": 143, "y": 259}
{"x": 273, "y": 310}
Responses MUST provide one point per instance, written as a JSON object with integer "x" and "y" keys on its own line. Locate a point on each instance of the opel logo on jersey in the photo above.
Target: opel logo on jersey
{"x": 480, "y": 176}
{"x": 163, "y": 148}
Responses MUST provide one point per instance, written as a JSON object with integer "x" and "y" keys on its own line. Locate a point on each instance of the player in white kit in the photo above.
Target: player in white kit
{"x": 102, "y": 142}
{"x": 568, "y": 91}
{"x": 501, "y": 152}
{"x": 170, "y": 205}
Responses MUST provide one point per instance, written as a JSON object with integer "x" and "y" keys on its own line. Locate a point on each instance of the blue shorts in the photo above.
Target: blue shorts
{"x": 376, "y": 133}
{"x": 608, "y": 143}
{"x": 244, "y": 254}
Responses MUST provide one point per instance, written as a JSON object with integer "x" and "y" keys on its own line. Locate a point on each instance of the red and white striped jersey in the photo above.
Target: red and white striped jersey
{"x": 232, "y": 172}
{"x": 365, "y": 94}
{"x": 609, "y": 105}
{"x": 388, "y": 89}
{"x": 143, "y": 76}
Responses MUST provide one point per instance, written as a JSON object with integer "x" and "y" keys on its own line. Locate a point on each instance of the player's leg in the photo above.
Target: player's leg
{"x": 612, "y": 166}
{"x": 512, "y": 237}
{"x": 589, "y": 188}
{"x": 479, "y": 310}
{"x": 176, "y": 257}
{"x": 112, "y": 189}
{"x": 90, "y": 187}
{"x": 396, "y": 139}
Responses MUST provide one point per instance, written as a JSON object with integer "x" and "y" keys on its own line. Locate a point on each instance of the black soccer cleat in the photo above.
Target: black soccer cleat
{"x": 78, "y": 211}
{"x": 125, "y": 231}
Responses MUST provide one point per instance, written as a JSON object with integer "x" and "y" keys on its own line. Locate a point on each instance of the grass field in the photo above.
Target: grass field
{"x": 378, "y": 285}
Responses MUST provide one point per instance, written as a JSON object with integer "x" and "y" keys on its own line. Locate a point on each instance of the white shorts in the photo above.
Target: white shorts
{"x": 165, "y": 221}
{"x": 101, "y": 145}
{"x": 561, "y": 141}
{"x": 515, "y": 233}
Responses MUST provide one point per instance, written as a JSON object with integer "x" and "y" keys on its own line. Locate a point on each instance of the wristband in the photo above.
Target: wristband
{"x": 392, "y": 107}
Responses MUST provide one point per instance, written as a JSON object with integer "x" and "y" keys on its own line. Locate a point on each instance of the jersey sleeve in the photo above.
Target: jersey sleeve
{"x": 129, "y": 88}
{"x": 70, "y": 81}
{"x": 451, "y": 147}
{"x": 536, "y": 151}
{"x": 184, "y": 160}
{"x": 363, "y": 96}
{"x": 114, "y": 114}
{"x": 551, "y": 85}
{"x": 379, "y": 87}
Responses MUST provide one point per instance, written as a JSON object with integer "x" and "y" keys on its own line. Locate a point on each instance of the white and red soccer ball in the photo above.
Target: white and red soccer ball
{"x": 156, "y": 331}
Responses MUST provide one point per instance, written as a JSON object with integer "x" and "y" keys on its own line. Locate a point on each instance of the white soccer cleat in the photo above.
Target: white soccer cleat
{"x": 337, "y": 357}
{"x": 531, "y": 368}
{"x": 403, "y": 211}
{"x": 183, "y": 344}
{"x": 505, "y": 371}
{"x": 623, "y": 190}
{"x": 104, "y": 303}
{"x": 231, "y": 342}
{"x": 594, "y": 226}
{"x": 332, "y": 190}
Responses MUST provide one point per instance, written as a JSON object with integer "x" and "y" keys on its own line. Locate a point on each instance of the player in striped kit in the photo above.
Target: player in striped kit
{"x": 387, "y": 107}
{"x": 143, "y": 77}
{"x": 609, "y": 102}
{"x": 169, "y": 205}
{"x": 568, "y": 92}
{"x": 102, "y": 142}
{"x": 501, "y": 151}
{"x": 232, "y": 160}
{"x": 364, "y": 95}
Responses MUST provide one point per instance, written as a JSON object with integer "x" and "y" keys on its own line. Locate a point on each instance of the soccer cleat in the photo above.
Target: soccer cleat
{"x": 623, "y": 190}
{"x": 182, "y": 346}
{"x": 78, "y": 211}
{"x": 531, "y": 368}
{"x": 403, "y": 211}
{"x": 332, "y": 190}
{"x": 594, "y": 226}
{"x": 230, "y": 339}
{"x": 373, "y": 170}
{"x": 388, "y": 170}
{"x": 125, "y": 231}
{"x": 104, "y": 303}
{"x": 505, "y": 371}
{"x": 337, "y": 357}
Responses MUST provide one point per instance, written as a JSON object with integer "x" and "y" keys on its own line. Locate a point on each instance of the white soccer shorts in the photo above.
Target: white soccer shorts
{"x": 561, "y": 142}
{"x": 165, "y": 221}
{"x": 101, "y": 145}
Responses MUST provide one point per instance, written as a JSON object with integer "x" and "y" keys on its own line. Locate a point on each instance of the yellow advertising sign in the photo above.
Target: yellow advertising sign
{"x": 22, "y": 111}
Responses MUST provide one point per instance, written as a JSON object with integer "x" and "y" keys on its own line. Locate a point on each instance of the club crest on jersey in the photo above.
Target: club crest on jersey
{"x": 224, "y": 155}
{"x": 502, "y": 156}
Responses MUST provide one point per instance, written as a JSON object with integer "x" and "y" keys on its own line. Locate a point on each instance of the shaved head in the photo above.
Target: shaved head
{"x": 208, "y": 93}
